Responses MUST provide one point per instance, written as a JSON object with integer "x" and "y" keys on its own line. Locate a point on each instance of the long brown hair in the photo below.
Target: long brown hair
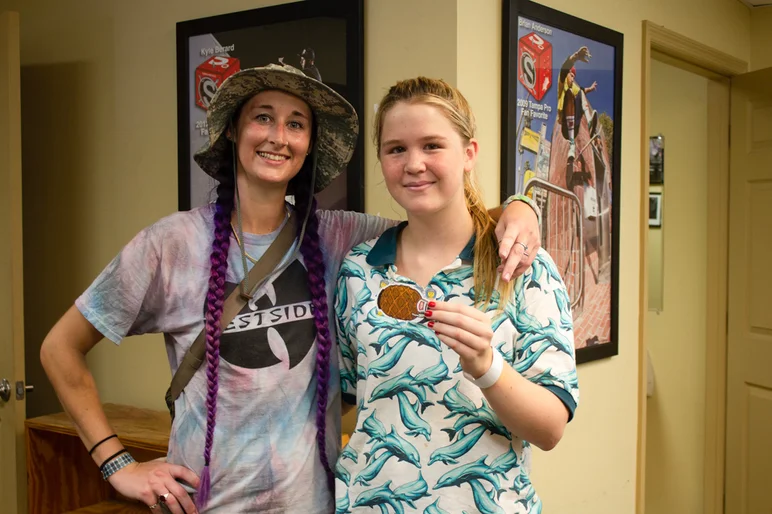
{"x": 454, "y": 106}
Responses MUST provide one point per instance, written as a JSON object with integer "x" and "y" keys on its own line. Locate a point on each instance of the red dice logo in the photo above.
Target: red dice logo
{"x": 534, "y": 66}
{"x": 210, "y": 74}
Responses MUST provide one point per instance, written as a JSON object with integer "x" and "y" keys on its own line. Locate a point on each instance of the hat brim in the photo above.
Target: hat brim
{"x": 337, "y": 124}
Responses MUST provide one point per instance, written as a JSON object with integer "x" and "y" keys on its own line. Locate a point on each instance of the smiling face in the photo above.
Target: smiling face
{"x": 424, "y": 158}
{"x": 273, "y": 138}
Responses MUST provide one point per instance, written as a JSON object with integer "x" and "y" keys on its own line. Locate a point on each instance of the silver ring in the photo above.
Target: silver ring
{"x": 151, "y": 507}
{"x": 525, "y": 246}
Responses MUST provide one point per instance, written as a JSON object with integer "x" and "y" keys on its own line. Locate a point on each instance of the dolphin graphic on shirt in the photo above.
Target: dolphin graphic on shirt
{"x": 553, "y": 335}
{"x": 380, "y": 497}
{"x": 396, "y": 445}
{"x": 342, "y": 473}
{"x": 350, "y": 454}
{"x": 434, "y": 508}
{"x": 417, "y": 332}
{"x": 399, "y": 384}
{"x": 464, "y": 443}
{"x": 412, "y": 491}
{"x": 529, "y": 358}
{"x": 342, "y": 505}
{"x": 483, "y": 499}
{"x": 564, "y": 306}
{"x": 433, "y": 376}
{"x": 361, "y": 299}
{"x": 505, "y": 462}
{"x": 373, "y": 427}
{"x": 457, "y": 402}
{"x": 415, "y": 424}
{"x": 350, "y": 269}
{"x": 387, "y": 361}
{"x": 508, "y": 355}
{"x": 373, "y": 469}
{"x": 484, "y": 418}
{"x": 477, "y": 470}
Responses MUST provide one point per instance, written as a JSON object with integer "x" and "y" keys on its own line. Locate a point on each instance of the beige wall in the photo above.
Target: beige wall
{"x": 123, "y": 130}
{"x": 761, "y": 38}
{"x": 676, "y": 336}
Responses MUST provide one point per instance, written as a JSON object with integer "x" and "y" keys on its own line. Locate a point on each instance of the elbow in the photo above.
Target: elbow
{"x": 47, "y": 357}
{"x": 550, "y": 438}
{"x": 548, "y": 444}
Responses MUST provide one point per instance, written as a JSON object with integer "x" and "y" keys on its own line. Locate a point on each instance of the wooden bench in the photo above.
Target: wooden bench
{"x": 62, "y": 477}
{"x": 113, "y": 507}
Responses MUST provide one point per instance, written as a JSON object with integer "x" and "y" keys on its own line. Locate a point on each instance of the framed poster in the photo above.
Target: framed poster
{"x": 561, "y": 140}
{"x": 324, "y": 39}
{"x": 655, "y": 210}
{"x": 657, "y": 159}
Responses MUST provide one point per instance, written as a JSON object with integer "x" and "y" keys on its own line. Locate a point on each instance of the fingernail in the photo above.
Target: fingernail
{"x": 428, "y": 314}
{"x": 432, "y": 304}
{"x": 431, "y": 324}
{"x": 506, "y": 277}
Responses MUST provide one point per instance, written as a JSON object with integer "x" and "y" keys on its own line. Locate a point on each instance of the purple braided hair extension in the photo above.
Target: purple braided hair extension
{"x": 214, "y": 306}
{"x": 312, "y": 256}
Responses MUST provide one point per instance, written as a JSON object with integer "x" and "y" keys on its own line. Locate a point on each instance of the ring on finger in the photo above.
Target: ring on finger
{"x": 162, "y": 498}
{"x": 154, "y": 506}
{"x": 525, "y": 246}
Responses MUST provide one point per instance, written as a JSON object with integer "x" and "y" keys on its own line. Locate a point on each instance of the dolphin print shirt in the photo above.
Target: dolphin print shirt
{"x": 264, "y": 452}
{"x": 426, "y": 440}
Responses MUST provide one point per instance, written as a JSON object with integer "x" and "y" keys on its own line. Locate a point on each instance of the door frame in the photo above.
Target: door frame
{"x": 669, "y": 46}
{"x": 14, "y": 411}
{"x": 673, "y": 48}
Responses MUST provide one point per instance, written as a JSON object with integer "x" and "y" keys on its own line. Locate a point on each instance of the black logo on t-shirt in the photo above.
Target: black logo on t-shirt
{"x": 275, "y": 326}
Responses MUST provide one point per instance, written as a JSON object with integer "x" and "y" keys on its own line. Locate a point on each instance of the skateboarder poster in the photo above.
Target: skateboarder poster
{"x": 560, "y": 146}
{"x": 324, "y": 41}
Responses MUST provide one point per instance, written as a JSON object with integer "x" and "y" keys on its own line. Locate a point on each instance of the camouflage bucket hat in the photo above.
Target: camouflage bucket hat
{"x": 337, "y": 124}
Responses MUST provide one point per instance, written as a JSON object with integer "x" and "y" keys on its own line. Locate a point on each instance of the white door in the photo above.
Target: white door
{"x": 749, "y": 373}
{"x": 13, "y": 497}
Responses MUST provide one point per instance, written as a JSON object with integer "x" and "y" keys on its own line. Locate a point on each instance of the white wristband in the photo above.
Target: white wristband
{"x": 492, "y": 375}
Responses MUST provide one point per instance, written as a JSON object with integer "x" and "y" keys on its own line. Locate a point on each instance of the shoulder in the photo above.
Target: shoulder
{"x": 193, "y": 220}
{"x": 541, "y": 277}
{"x": 360, "y": 252}
{"x": 182, "y": 230}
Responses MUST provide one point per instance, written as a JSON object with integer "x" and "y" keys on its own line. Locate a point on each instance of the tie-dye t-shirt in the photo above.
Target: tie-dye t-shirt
{"x": 264, "y": 457}
{"x": 426, "y": 439}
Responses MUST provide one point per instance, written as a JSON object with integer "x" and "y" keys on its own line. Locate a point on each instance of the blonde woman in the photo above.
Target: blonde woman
{"x": 454, "y": 373}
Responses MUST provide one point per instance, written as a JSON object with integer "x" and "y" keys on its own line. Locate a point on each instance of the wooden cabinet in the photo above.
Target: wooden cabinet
{"x": 62, "y": 477}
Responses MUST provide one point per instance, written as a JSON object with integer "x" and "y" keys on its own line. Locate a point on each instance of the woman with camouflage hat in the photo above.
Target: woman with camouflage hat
{"x": 260, "y": 422}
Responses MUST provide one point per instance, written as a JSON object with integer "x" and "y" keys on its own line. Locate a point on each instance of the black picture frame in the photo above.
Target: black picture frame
{"x": 592, "y": 205}
{"x": 312, "y": 24}
{"x": 656, "y": 160}
{"x": 655, "y": 210}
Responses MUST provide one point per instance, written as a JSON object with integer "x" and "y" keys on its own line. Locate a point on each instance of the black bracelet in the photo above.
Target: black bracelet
{"x": 91, "y": 451}
{"x": 111, "y": 457}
